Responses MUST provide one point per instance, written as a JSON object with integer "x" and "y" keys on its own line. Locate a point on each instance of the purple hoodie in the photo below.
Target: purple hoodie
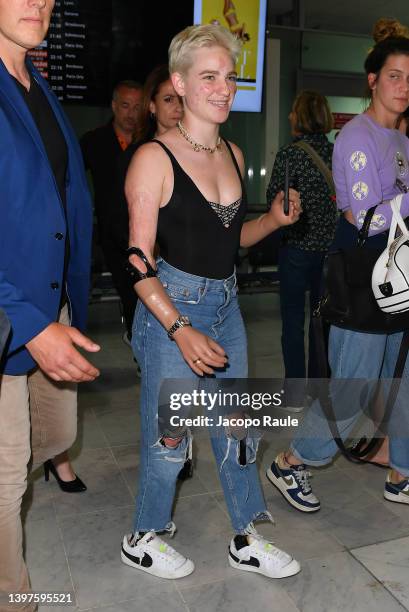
{"x": 367, "y": 160}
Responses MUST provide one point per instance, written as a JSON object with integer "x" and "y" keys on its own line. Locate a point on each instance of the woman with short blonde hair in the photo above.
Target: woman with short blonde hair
{"x": 185, "y": 189}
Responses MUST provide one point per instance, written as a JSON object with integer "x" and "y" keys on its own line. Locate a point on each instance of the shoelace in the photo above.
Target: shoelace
{"x": 169, "y": 550}
{"x": 269, "y": 547}
{"x": 302, "y": 477}
{"x": 163, "y": 547}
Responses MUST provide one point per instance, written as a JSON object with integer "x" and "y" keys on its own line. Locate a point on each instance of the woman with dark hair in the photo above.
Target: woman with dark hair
{"x": 161, "y": 108}
{"x": 370, "y": 167}
{"x": 305, "y": 243}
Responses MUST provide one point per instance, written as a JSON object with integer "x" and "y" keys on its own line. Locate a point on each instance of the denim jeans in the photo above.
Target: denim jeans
{"x": 300, "y": 271}
{"x": 213, "y": 309}
{"x": 356, "y": 355}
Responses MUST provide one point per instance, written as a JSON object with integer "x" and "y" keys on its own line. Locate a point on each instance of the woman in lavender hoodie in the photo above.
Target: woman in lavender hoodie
{"x": 370, "y": 167}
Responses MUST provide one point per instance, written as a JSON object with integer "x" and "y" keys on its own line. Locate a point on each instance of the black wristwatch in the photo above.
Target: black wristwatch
{"x": 181, "y": 321}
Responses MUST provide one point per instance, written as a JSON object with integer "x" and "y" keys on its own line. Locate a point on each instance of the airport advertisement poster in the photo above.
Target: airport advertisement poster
{"x": 246, "y": 19}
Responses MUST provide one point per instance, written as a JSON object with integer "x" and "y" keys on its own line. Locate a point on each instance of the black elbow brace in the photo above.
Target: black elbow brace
{"x": 134, "y": 274}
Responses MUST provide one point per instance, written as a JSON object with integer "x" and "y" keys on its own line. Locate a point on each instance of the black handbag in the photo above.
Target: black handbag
{"x": 347, "y": 298}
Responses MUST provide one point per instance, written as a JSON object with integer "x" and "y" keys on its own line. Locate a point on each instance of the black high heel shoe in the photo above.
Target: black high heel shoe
{"x": 68, "y": 486}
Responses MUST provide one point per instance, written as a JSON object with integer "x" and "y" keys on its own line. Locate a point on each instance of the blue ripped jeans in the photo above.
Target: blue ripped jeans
{"x": 213, "y": 309}
{"x": 357, "y": 360}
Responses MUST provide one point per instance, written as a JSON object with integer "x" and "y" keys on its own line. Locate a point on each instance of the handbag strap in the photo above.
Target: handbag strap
{"x": 364, "y": 231}
{"x": 325, "y": 398}
{"x": 393, "y": 227}
{"x": 397, "y": 219}
{"x": 327, "y": 174}
{"x": 319, "y": 162}
{"x": 320, "y": 346}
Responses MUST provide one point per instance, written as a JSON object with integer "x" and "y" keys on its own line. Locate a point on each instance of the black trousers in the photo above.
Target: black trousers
{"x": 300, "y": 271}
{"x": 115, "y": 261}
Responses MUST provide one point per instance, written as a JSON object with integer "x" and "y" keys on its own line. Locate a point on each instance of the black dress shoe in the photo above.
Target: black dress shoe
{"x": 68, "y": 486}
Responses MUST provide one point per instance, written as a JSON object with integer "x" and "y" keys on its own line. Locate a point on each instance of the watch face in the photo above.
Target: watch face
{"x": 185, "y": 320}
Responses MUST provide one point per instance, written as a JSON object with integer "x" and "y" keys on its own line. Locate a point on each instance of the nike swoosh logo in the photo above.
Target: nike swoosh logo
{"x": 252, "y": 561}
{"x": 145, "y": 561}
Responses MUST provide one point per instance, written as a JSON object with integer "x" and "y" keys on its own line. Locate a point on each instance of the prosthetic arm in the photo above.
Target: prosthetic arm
{"x": 152, "y": 293}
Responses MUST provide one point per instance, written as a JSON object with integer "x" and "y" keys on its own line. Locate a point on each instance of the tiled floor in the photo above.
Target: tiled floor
{"x": 354, "y": 552}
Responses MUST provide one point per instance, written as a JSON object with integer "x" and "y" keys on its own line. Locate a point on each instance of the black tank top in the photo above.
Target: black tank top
{"x": 197, "y": 236}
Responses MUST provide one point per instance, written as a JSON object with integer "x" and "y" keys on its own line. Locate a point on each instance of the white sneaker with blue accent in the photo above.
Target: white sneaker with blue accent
{"x": 253, "y": 553}
{"x": 396, "y": 492}
{"x": 293, "y": 483}
{"x": 153, "y": 555}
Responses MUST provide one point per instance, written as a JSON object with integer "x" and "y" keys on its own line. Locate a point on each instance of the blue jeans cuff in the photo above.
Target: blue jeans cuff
{"x": 313, "y": 462}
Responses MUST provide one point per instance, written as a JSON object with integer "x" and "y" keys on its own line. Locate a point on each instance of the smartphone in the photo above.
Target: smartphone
{"x": 287, "y": 188}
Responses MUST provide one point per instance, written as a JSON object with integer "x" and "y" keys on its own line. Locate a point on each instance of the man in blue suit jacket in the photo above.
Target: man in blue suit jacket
{"x": 45, "y": 238}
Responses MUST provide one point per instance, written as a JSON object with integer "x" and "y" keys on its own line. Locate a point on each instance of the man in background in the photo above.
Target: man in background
{"x": 101, "y": 149}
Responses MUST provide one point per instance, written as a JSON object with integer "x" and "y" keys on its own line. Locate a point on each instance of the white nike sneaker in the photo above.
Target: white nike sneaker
{"x": 262, "y": 557}
{"x": 153, "y": 555}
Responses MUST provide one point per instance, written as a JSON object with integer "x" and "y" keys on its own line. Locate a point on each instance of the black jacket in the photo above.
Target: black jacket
{"x": 101, "y": 151}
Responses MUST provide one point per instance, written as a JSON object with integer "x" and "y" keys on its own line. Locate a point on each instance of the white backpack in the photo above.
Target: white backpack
{"x": 390, "y": 276}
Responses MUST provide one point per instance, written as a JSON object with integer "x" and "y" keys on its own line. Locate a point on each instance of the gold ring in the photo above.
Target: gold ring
{"x": 198, "y": 360}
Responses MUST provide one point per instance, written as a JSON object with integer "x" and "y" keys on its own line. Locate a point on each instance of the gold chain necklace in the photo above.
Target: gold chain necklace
{"x": 196, "y": 145}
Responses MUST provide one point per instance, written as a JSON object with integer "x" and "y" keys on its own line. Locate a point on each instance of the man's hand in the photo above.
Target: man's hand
{"x": 54, "y": 352}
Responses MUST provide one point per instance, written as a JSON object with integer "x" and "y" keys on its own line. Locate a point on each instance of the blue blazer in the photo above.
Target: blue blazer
{"x": 32, "y": 220}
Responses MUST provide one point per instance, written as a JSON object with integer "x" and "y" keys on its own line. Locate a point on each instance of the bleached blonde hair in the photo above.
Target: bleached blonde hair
{"x": 198, "y": 36}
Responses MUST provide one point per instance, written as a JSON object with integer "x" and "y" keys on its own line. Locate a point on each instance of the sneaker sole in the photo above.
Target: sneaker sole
{"x": 148, "y": 570}
{"x": 289, "y": 570}
{"x": 274, "y": 481}
{"x": 398, "y": 499}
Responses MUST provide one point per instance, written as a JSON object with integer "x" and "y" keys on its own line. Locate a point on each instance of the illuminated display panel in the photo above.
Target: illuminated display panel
{"x": 246, "y": 19}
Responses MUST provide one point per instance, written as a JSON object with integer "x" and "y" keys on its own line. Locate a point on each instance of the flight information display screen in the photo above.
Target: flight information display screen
{"x": 75, "y": 57}
{"x": 93, "y": 44}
